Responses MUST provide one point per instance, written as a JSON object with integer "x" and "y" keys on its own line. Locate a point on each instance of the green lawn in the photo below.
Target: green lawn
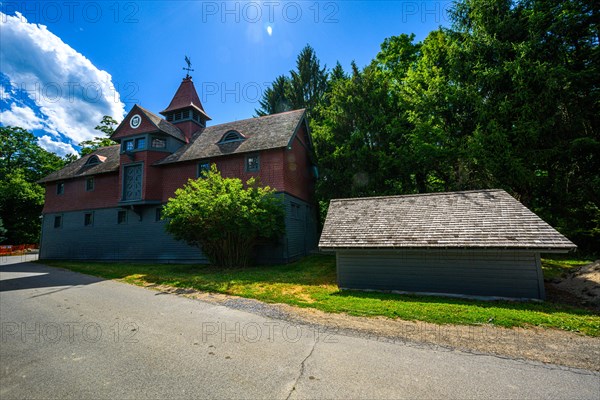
{"x": 311, "y": 283}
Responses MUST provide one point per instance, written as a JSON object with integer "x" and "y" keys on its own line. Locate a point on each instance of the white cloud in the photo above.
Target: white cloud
{"x": 72, "y": 95}
{"x": 23, "y": 117}
{"x": 59, "y": 148}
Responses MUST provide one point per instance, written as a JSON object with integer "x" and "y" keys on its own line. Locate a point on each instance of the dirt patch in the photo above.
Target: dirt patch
{"x": 580, "y": 286}
{"x": 298, "y": 291}
{"x": 538, "y": 344}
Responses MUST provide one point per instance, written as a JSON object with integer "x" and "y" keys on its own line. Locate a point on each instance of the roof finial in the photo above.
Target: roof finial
{"x": 189, "y": 67}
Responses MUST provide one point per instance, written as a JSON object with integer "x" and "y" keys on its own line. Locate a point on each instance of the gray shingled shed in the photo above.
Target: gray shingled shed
{"x": 478, "y": 243}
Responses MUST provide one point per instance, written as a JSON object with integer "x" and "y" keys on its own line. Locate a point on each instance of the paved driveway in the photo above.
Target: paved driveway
{"x": 67, "y": 335}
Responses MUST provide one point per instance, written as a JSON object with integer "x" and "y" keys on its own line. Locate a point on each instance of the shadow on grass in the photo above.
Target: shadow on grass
{"x": 312, "y": 270}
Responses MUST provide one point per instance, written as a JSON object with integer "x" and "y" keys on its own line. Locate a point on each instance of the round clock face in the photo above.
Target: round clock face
{"x": 135, "y": 121}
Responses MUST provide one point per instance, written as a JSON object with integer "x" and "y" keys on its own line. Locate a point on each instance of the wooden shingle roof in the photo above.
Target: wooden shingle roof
{"x": 163, "y": 125}
{"x": 186, "y": 96}
{"x": 109, "y": 162}
{"x": 470, "y": 219}
{"x": 268, "y": 132}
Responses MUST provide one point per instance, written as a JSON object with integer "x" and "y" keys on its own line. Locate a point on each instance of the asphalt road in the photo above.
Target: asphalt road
{"x": 67, "y": 335}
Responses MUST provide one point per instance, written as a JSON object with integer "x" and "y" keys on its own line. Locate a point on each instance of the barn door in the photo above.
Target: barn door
{"x": 132, "y": 189}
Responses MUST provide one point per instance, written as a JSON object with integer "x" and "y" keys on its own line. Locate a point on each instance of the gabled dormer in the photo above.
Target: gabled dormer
{"x": 185, "y": 110}
{"x": 142, "y": 130}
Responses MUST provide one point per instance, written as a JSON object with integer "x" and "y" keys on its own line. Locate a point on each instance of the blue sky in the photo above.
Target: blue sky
{"x": 65, "y": 64}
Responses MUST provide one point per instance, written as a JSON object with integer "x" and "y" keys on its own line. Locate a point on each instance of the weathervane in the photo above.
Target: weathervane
{"x": 189, "y": 67}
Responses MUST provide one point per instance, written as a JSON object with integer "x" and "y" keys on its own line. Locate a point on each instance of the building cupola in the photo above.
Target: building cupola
{"x": 185, "y": 110}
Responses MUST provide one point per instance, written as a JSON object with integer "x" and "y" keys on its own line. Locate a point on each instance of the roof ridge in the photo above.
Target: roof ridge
{"x": 261, "y": 117}
{"x": 421, "y": 194}
{"x": 145, "y": 110}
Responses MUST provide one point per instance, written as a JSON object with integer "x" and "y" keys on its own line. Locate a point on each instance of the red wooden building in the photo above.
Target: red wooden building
{"x": 107, "y": 204}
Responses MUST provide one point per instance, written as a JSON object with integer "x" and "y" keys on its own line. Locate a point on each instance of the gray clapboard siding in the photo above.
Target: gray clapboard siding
{"x": 146, "y": 239}
{"x": 479, "y": 273}
{"x": 135, "y": 240}
{"x": 300, "y": 234}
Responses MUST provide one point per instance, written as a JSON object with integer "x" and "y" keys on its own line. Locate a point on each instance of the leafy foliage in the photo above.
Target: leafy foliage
{"x": 2, "y": 231}
{"x": 224, "y": 218}
{"x": 22, "y": 163}
{"x": 19, "y": 150}
{"x": 107, "y": 126}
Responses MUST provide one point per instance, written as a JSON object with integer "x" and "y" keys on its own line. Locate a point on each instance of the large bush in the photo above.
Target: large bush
{"x": 224, "y": 217}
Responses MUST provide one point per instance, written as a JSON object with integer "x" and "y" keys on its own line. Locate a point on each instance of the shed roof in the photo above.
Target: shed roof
{"x": 268, "y": 132}
{"x": 109, "y": 162}
{"x": 470, "y": 219}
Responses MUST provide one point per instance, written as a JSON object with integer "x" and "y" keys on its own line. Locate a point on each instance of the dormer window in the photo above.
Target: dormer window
{"x": 140, "y": 143}
{"x": 94, "y": 160}
{"x": 231, "y": 136}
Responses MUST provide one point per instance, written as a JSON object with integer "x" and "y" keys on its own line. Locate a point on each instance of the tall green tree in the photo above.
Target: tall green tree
{"x": 535, "y": 67}
{"x": 224, "y": 217}
{"x": 107, "y": 126}
{"x": 22, "y": 163}
{"x": 19, "y": 151}
{"x": 361, "y": 138}
{"x": 309, "y": 80}
{"x": 303, "y": 88}
{"x": 276, "y": 99}
{"x": 21, "y": 203}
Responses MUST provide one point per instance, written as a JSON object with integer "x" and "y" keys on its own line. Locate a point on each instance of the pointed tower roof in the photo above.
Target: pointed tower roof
{"x": 186, "y": 97}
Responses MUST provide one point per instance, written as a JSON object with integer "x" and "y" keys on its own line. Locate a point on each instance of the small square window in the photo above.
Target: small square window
{"x": 202, "y": 168}
{"x": 128, "y": 145}
{"x": 122, "y": 217}
{"x": 295, "y": 210}
{"x": 57, "y": 221}
{"x": 252, "y": 163}
{"x": 140, "y": 143}
{"x": 89, "y": 184}
{"x": 60, "y": 188}
{"x": 88, "y": 219}
{"x": 158, "y": 215}
{"x": 159, "y": 143}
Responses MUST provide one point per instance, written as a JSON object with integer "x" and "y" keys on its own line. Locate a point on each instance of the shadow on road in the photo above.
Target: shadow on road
{"x": 26, "y": 275}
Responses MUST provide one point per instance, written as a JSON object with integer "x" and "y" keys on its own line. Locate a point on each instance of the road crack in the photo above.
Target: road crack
{"x": 302, "y": 368}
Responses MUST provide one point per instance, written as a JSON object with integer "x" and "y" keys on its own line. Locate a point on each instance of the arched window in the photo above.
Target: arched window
{"x": 93, "y": 160}
{"x": 231, "y": 136}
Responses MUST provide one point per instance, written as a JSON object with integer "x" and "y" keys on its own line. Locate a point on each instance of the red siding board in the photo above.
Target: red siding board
{"x": 75, "y": 197}
{"x": 299, "y": 180}
{"x": 270, "y": 173}
{"x": 285, "y": 170}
